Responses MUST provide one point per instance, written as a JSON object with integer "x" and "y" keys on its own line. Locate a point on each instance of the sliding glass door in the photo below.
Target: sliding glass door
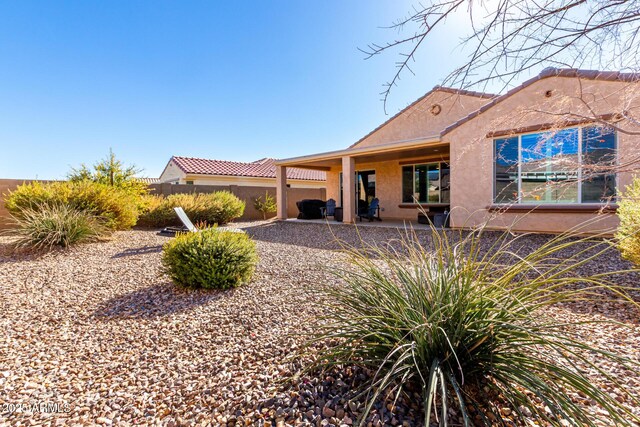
{"x": 365, "y": 189}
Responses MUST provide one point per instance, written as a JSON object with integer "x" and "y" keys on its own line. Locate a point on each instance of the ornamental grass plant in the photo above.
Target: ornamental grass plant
{"x": 118, "y": 208}
{"x": 56, "y": 225}
{"x": 462, "y": 320}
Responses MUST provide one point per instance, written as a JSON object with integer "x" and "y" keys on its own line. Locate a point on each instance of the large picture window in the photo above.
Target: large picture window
{"x": 573, "y": 165}
{"x": 425, "y": 183}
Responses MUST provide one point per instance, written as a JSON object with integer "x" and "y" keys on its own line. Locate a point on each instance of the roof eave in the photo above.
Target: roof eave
{"x": 350, "y": 152}
{"x": 210, "y": 175}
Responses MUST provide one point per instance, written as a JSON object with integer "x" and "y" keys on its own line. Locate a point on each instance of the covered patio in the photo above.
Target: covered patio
{"x": 391, "y": 223}
{"x": 403, "y": 176}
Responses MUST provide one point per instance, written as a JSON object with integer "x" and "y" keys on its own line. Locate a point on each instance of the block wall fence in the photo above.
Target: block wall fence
{"x": 248, "y": 194}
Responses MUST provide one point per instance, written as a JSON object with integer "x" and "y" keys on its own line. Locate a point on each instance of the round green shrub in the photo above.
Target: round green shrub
{"x": 210, "y": 259}
{"x": 219, "y": 208}
{"x": 117, "y": 208}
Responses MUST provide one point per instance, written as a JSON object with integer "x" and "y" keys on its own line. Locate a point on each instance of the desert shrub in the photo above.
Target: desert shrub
{"x": 112, "y": 172}
{"x": 117, "y": 208}
{"x": 155, "y": 213}
{"x": 56, "y": 225}
{"x": 629, "y": 230}
{"x": 211, "y": 208}
{"x": 266, "y": 205}
{"x": 463, "y": 323}
{"x": 210, "y": 259}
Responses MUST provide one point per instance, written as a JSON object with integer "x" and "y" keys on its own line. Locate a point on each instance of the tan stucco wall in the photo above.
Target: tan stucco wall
{"x": 388, "y": 187}
{"x": 172, "y": 174}
{"x": 472, "y": 152}
{"x": 6, "y": 187}
{"x": 419, "y": 122}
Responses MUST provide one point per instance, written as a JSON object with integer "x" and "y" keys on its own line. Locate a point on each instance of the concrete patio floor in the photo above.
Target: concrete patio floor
{"x": 383, "y": 224}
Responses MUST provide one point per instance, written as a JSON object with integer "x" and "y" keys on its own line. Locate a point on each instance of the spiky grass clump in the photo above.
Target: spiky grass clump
{"x": 465, "y": 324}
{"x": 56, "y": 225}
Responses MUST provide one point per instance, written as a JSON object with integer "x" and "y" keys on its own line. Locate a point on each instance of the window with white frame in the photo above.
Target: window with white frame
{"x": 574, "y": 165}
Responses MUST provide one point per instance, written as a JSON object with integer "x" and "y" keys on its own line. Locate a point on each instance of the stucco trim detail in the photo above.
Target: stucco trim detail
{"x": 547, "y": 126}
{"x": 546, "y": 73}
{"x": 558, "y": 208}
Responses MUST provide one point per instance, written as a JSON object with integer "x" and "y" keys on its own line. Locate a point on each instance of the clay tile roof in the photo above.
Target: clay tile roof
{"x": 148, "y": 180}
{"x": 263, "y": 168}
{"x": 546, "y": 73}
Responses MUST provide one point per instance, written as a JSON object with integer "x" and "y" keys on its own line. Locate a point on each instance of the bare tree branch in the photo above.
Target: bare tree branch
{"x": 516, "y": 36}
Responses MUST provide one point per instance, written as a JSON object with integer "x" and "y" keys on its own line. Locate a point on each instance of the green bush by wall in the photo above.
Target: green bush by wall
{"x": 118, "y": 209}
{"x": 219, "y": 208}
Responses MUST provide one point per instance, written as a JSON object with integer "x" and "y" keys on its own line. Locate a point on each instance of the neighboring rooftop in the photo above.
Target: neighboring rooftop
{"x": 148, "y": 180}
{"x": 263, "y": 168}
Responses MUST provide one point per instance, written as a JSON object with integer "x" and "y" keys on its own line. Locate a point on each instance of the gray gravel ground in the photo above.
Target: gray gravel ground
{"x": 100, "y": 335}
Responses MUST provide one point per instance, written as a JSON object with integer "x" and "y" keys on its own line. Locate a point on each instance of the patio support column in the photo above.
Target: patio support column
{"x": 348, "y": 189}
{"x": 281, "y": 192}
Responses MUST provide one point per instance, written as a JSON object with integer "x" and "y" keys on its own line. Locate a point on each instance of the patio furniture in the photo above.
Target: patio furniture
{"x": 187, "y": 224}
{"x": 330, "y": 209}
{"x": 423, "y": 219}
{"x": 310, "y": 208}
{"x": 438, "y": 219}
{"x": 338, "y": 214}
{"x": 371, "y": 212}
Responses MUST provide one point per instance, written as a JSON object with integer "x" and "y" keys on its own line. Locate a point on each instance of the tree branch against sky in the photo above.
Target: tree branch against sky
{"x": 507, "y": 38}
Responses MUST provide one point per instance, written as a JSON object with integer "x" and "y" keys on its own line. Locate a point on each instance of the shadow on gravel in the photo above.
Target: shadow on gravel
{"x": 9, "y": 253}
{"x": 139, "y": 251}
{"x": 156, "y": 301}
{"x": 326, "y": 236}
{"x": 323, "y": 236}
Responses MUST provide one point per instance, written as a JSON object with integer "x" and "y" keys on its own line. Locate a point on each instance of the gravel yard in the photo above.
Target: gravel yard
{"x": 102, "y": 336}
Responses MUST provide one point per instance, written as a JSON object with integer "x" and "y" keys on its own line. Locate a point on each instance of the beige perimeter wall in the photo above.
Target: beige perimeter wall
{"x": 7, "y": 185}
{"x": 248, "y": 194}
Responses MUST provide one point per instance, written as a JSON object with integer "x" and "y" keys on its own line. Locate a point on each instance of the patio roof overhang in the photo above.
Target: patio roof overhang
{"x": 423, "y": 147}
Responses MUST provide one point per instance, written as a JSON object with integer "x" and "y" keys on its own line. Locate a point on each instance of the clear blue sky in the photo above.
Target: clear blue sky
{"x": 226, "y": 80}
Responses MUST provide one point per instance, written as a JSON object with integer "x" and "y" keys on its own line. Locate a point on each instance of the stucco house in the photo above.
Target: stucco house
{"x": 261, "y": 173}
{"x": 546, "y": 156}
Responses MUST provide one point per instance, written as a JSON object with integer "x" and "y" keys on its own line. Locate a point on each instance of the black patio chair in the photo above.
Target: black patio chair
{"x": 370, "y": 212}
